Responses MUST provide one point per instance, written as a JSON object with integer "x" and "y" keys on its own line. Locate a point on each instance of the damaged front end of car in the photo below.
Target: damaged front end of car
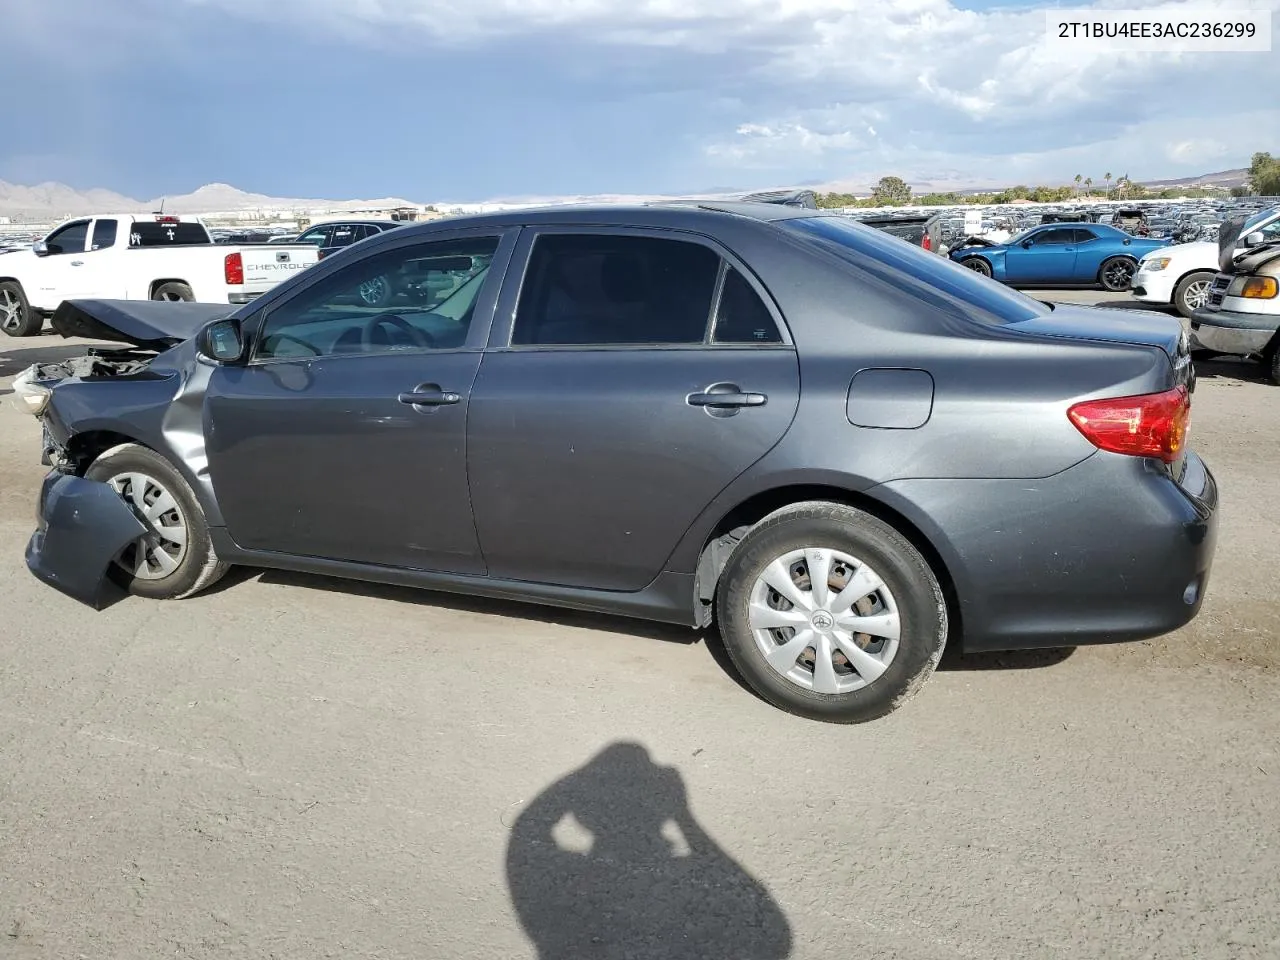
{"x": 86, "y": 404}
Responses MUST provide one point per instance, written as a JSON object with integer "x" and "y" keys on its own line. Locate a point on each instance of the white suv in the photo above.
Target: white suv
{"x": 1177, "y": 276}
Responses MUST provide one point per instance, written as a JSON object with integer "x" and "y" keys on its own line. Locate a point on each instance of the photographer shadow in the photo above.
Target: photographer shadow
{"x": 609, "y": 863}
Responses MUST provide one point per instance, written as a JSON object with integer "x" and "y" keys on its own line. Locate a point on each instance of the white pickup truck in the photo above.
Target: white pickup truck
{"x": 130, "y": 257}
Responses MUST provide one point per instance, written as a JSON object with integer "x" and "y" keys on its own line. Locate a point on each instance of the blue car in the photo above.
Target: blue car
{"x": 1059, "y": 254}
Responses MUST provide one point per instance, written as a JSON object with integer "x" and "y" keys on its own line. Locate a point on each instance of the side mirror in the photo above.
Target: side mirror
{"x": 40, "y": 248}
{"x": 221, "y": 341}
{"x": 1026, "y": 244}
{"x": 1255, "y": 239}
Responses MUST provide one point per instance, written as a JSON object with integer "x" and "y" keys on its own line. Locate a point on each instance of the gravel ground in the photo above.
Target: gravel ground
{"x": 292, "y": 767}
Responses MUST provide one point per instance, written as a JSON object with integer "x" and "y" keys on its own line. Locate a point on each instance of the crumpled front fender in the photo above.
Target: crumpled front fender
{"x": 83, "y": 525}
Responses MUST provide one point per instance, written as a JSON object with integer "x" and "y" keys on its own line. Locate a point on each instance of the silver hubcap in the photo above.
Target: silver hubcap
{"x": 1197, "y": 294}
{"x": 373, "y": 291}
{"x": 824, "y": 620}
{"x": 167, "y": 295}
{"x": 10, "y": 311}
{"x": 158, "y": 554}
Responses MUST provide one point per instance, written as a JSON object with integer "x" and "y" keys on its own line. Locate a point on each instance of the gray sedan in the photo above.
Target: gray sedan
{"x": 844, "y": 451}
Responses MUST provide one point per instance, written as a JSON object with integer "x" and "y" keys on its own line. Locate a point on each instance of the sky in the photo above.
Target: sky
{"x": 468, "y": 100}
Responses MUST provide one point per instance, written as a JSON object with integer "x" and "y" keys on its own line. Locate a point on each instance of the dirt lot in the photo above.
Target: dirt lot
{"x": 291, "y": 767}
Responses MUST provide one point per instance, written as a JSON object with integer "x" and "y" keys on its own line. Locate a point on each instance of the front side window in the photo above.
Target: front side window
{"x": 1054, "y": 237}
{"x": 420, "y": 297}
{"x": 585, "y": 289}
{"x": 344, "y": 234}
{"x": 104, "y": 234}
{"x": 69, "y": 239}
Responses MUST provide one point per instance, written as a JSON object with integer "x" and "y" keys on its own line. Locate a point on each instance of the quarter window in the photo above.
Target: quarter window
{"x": 741, "y": 316}
{"x": 420, "y": 297}
{"x": 614, "y": 290}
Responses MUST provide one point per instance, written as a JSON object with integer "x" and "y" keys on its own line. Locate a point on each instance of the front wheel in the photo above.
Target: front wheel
{"x": 17, "y": 319}
{"x": 1116, "y": 274}
{"x": 831, "y": 614}
{"x": 377, "y": 292}
{"x": 1192, "y": 292}
{"x": 175, "y": 558}
{"x": 978, "y": 265}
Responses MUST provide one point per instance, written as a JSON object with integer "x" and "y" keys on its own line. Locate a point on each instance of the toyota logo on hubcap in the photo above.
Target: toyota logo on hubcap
{"x": 823, "y": 620}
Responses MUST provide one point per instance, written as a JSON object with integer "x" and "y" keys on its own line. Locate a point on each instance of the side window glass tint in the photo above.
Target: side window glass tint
{"x": 1084, "y": 236}
{"x": 742, "y": 316}
{"x": 104, "y": 234}
{"x": 414, "y": 298}
{"x": 314, "y": 236}
{"x": 70, "y": 239}
{"x": 609, "y": 290}
{"x": 343, "y": 235}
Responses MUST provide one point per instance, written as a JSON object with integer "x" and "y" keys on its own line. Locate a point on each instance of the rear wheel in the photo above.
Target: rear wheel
{"x": 1116, "y": 273}
{"x": 831, "y": 614}
{"x": 175, "y": 558}
{"x": 377, "y": 292}
{"x": 978, "y": 265}
{"x": 173, "y": 291}
{"x": 1192, "y": 292}
{"x": 17, "y": 319}
{"x": 1273, "y": 363}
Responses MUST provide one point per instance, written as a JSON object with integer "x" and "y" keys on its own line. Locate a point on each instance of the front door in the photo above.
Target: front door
{"x": 344, "y": 437}
{"x": 57, "y": 274}
{"x": 1050, "y": 258}
{"x": 641, "y": 375}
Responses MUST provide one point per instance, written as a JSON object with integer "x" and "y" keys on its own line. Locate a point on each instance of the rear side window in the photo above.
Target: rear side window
{"x": 1084, "y": 236}
{"x": 583, "y": 289}
{"x": 344, "y": 234}
{"x": 151, "y": 234}
{"x": 104, "y": 234}
{"x": 938, "y": 280}
{"x": 741, "y": 316}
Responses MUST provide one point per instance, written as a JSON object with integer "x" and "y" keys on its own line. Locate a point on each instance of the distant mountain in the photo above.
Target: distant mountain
{"x": 50, "y": 201}
{"x": 53, "y": 200}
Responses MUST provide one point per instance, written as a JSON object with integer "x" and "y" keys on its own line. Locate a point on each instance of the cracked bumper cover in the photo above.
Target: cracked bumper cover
{"x": 82, "y": 526}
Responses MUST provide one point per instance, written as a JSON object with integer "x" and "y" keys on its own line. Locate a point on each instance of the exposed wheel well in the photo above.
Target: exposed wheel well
{"x": 157, "y": 284}
{"x": 84, "y": 448}
{"x": 738, "y": 521}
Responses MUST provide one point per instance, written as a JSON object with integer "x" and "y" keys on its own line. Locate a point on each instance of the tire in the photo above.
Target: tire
{"x": 173, "y": 291}
{"x": 138, "y": 472}
{"x": 1273, "y": 363}
{"x": 377, "y": 292}
{"x": 17, "y": 319}
{"x": 855, "y": 544}
{"x": 1116, "y": 273}
{"x": 1193, "y": 285}
{"x": 977, "y": 265}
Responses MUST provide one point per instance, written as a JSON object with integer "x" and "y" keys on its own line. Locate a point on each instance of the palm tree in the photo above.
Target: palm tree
{"x": 1107, "y": 177}
{"x": 1088, "y": 185}
{"x": 1078, "y": 179}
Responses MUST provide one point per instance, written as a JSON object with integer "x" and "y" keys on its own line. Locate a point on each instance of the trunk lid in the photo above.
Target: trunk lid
{"x": 1139, "y": 328}
{"x": 153, "y": 324}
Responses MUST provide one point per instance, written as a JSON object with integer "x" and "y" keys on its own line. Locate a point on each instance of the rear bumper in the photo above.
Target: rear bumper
{"x": 1110, "y": 550}
{"x": 81, "y": 526}
{"x": 1226, "y": 331}
{"x": 242, "y": 298}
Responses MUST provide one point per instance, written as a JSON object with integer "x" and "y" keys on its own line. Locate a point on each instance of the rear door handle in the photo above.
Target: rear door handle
{"x": 425, "y": 397}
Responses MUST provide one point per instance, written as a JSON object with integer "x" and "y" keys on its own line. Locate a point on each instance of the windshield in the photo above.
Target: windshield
{"x": 942, "y": 281}
{"x": 1259, "y": 218}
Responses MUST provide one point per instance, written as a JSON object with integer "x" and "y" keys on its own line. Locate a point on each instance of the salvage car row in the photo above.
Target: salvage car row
{"x": 844, "y": 450}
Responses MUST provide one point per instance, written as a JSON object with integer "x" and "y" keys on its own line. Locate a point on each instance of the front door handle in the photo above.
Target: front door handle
{"x": 726, "y": 395}
{"x": 429, "y": 395}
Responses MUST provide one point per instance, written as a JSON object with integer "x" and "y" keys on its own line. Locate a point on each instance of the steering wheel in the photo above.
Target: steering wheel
{"x": 419, "y": 338}
{"x": 290, "y": 338}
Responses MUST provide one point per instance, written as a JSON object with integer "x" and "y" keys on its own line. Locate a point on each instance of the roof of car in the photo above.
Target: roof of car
{"x": 687, "y": 214}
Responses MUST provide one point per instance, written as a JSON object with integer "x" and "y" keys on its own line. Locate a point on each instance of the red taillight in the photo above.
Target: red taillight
{"x": 926, "y": 242}
{"x": 233, "y": 269}
{"x": 1151, "y": 425}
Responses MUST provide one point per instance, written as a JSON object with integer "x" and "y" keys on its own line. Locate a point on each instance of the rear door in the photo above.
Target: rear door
{"x": 638, "y": 374}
